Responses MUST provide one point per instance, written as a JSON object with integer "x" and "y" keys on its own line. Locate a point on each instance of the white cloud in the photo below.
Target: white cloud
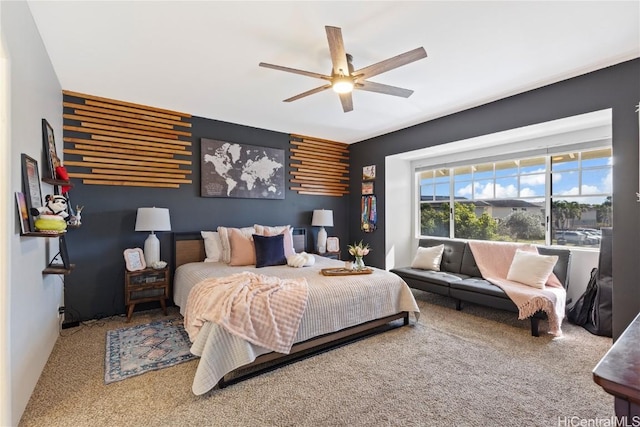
{"x": 584, "y": 198}
{"x": 607, "y": 182}
{"x": 464, "y": 191}
{"x": 508, "y": 191}
{"x": 532, "y": 180}
{"x": 487, "y": 191}
{"x": 528, "y": 192}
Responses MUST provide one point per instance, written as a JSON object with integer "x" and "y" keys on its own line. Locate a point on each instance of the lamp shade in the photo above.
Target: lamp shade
{"x": 322, "y": 218}
{"x": 153, "y": 219}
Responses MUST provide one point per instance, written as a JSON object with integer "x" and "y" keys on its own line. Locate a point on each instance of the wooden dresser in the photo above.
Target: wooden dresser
{"x": 618, "y": 372}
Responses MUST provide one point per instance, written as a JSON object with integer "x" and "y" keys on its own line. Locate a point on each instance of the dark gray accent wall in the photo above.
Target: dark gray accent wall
{"x": 616, "y": 87}
{"x": 96, "y": 287}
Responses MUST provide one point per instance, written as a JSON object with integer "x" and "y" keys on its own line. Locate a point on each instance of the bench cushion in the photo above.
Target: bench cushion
{"x": 478, "y": 285}
{"x": 438, "y": 277}
{"x": 469, "y": 266}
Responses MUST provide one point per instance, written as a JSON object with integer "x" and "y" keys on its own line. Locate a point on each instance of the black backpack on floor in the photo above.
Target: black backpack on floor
{"x": 593, "y": 310}
{"x": 579, "y": 313}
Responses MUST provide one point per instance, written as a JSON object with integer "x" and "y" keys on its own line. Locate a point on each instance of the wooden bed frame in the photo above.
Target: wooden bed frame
{"x": 189, "y": 247}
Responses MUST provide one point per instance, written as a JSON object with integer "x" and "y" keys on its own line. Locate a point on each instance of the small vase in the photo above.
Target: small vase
{"x": 359, "y": 263}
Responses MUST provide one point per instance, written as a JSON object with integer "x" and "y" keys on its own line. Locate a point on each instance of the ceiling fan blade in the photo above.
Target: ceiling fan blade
{"x": 307, "y": 93}
{"x": 347, "y": 101}
{"x": 382, "y": 88}
{"x": 391, "y": 63}
{"x": 295, "y": 71}
{"x": 338, "y": 54}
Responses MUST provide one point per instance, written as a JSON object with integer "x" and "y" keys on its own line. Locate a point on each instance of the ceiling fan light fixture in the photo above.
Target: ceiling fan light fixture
{"x": 342, "y": 84}
{"x": 343, "y": 79}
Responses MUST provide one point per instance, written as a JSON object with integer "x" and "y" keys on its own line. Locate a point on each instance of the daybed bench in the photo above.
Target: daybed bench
{"x": 460, "y": 278}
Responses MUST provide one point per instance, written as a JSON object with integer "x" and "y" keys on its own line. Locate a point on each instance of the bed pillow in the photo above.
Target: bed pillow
{"x": 225, "y": 244}
{"x": 273, "y": 230}
{"x": 242, "y": 248}
{"x": 531, "y": 268}
{"x": 269, "y": 250}
{"x": 265, "y": 230}
{"x": 428, "y": 258}
{"x": 212, "y": 246}
{"x": 302, "y": 259}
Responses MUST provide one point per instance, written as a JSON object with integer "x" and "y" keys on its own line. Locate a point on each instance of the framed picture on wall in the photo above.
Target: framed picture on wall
{"x": 247, "y": 171}
{"x": 23, "y": 212}
{"x": 368, "y": 172}
{"x": 367, "y": 188}
{"x": 50, "y": 152}
{"x": 64, "y": 253}
{"x": 31, "y": 186}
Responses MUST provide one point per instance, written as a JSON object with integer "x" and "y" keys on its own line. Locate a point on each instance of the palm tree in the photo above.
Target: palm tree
{"x": 575, "y": 211}
{"x": 560, "y": 214}
{"x": 564, "y": 213}
{"x": 604, "y": 213}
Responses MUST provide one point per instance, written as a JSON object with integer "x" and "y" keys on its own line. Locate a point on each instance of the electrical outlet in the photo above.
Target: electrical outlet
{"x": 60, "y": 311}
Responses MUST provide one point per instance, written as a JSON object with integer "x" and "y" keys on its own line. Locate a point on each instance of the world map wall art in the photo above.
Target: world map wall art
{"x": 241, "y": 171}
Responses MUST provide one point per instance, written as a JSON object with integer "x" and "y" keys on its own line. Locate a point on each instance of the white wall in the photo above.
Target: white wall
{"x": 5, "y": 252}
{"x": 582, "y": 261}
{"x": 31, "y": 300}
{"x": 399, "y": 240}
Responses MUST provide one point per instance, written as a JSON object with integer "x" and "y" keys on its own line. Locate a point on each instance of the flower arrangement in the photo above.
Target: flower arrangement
{"x": 359, "y": 249}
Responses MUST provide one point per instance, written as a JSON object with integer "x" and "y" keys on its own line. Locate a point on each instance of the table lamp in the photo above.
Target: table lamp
{"x": 322, "y": 218}
{"x": 152, "y": 219}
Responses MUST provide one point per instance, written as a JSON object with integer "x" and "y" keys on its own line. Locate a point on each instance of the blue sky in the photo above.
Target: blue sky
{"x": 596, "y": 180}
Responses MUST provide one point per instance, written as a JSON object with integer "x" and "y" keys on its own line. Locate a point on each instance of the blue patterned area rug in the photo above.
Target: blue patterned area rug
{"x": 138, "y": 349}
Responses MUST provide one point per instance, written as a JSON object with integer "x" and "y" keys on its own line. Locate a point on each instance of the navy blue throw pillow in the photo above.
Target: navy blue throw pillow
{"x": 269, "y": 250}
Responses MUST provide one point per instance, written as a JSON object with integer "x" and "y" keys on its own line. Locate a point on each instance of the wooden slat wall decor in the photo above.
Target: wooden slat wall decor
{"x": 319, "y": 167}
{"x": 114, "y": 142}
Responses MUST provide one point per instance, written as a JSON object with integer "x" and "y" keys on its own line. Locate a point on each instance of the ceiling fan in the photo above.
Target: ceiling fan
{"x": 344, "y": 79}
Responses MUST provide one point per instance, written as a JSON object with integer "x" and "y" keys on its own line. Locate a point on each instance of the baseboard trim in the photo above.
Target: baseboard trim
{"x": 68, "y": 325}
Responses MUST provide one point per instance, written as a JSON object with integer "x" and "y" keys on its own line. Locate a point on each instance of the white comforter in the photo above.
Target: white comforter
{"x": 334, "y": 303}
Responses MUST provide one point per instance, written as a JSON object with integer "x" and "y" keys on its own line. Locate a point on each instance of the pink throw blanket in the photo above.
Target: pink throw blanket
{"x": 494, "y": 259}
{"x": 266, "y": 311}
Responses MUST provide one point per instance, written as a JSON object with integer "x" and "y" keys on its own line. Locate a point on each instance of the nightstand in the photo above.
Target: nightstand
{"x": 332, "y": 255}
{"x": 146, "y": 285}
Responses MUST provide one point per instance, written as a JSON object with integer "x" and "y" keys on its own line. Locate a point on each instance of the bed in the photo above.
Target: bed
{"x": 339, "y": 309}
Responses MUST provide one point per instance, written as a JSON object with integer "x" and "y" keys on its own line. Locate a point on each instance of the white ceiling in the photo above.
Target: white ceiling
{"x": 202, "y": 57}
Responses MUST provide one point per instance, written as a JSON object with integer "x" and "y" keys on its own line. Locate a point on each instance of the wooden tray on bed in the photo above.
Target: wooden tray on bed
{"x": 344, "y": 271}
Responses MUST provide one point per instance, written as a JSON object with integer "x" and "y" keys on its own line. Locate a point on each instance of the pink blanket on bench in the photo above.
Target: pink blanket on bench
{"x": 494, "y": 259}
{"x": 266, "y": 311}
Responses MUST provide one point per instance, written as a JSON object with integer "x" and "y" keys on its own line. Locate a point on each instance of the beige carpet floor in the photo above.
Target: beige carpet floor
{"x": 478, "y": 367}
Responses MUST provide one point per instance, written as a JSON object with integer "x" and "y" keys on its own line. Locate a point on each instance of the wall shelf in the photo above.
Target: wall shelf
{"x": 52, "y": 268}
{"x": 55, "y": 269}
{"x": 41, "y": 234}
{"x": 57, "y": 182}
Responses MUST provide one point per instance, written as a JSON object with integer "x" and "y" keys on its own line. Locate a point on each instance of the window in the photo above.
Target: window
{"x": 580, "y": 196}
{"x": 510, "y": 200}
{"x": 435, "y": 189}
